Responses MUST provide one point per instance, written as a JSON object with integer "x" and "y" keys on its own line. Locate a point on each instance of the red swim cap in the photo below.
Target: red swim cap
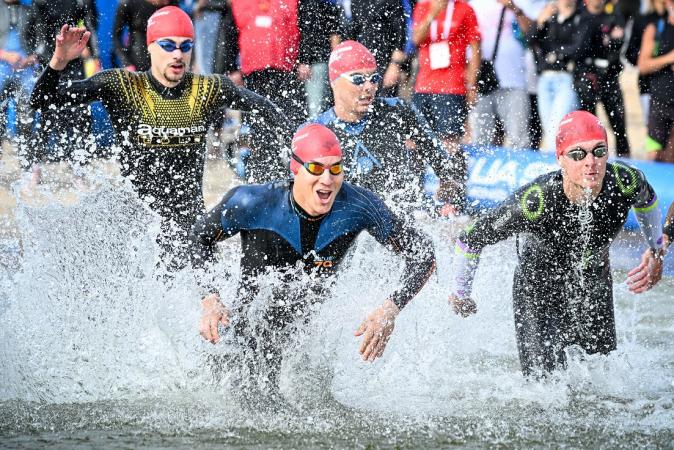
{"x": 348, "y": 56}
{"x": 579, "y": 126}
{"x": 311, "y": 142}
{"x": 169, "y": 21}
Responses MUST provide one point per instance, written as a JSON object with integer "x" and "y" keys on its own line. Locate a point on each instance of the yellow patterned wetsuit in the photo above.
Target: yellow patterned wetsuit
{"x": 161, "y": 131}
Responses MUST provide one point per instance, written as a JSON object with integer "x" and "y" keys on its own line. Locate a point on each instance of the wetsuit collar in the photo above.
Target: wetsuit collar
{"x": 168, "y": 92}
{"x": 301, "y": 212}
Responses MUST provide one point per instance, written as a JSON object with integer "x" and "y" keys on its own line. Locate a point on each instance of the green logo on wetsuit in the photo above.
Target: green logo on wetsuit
{"x": 528, "y": 213}
{"x": 632, "y": 186}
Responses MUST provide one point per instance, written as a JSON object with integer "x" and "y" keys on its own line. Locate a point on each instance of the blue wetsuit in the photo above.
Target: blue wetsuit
{"x": 277, "y": 234}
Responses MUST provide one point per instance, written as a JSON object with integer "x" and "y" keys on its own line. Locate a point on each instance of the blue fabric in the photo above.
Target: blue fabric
{"x": 267, "y": 207}
{"x": 445, "y": 113}
{"x": 13, "y": 42}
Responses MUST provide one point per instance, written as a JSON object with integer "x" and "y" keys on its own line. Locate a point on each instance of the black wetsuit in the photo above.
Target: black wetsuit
{"x": 277, "y": 235}
{"x": 562, "y": 291}
{"x": 162, "y": 131}
{"x": 377, "y": 157}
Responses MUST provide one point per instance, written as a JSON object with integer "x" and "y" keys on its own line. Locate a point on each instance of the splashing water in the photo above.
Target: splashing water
{"x": 98, "y": 350}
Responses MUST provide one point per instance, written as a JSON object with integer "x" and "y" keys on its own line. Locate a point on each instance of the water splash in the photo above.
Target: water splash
{"x": 92, "y": 339}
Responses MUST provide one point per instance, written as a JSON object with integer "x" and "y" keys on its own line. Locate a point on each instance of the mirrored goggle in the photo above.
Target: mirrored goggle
{"x": 579, "y": 154}
{"x": 317, "y": 169}
{"x": 170, "y": 46}
{"x": 359, "y": 79}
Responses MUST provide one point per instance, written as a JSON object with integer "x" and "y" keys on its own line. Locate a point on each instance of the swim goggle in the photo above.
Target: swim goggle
{"x": 316, "y": 168}
{"x": 359, "y": 79}
{"x": 579, "y": 154}
{"x": 170, "y": 46}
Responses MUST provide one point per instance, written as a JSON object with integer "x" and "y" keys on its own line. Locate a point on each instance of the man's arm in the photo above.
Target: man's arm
{"x": 213, "y": 227}
{"x": 646, "y": 208}
{"x": 518, "y": 213}
{"x": 417, "y": 250}
{"x": 433, "y": 152}
{"x": 235, "y": 97}
{"x": 70, "y": 43}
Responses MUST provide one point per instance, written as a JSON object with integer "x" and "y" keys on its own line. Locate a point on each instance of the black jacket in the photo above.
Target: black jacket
{"x": 48, "y": 16}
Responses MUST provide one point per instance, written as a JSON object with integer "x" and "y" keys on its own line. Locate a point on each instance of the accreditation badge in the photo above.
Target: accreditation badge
{"x": 263, "y": 21}
{"x": 439, "y": 55}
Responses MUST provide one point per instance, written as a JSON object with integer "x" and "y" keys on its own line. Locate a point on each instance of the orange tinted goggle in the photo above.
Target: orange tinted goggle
{"x": 316, "y": 168}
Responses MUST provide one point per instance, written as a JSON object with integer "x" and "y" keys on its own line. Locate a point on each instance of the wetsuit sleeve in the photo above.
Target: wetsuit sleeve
{"x": 415, "y": 247}
{"x": 647, "y": 209}
{"x": 235, "y": 97}
{"x": 49, "y": 91}
{"x": 429, "y": 146}
{"x": 216, "y": 225}
{"x": 417, "y": 250}
{"x": 518, "y": 213}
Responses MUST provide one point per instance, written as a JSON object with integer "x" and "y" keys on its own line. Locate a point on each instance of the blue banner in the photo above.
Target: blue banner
{"x": 494, "y": 173}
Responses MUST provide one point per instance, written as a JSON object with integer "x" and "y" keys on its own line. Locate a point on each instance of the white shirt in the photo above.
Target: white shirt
{"x": 510, "y": 66}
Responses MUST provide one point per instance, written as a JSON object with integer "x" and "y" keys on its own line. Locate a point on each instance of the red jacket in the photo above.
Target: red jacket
{"x": 269, "y": 37}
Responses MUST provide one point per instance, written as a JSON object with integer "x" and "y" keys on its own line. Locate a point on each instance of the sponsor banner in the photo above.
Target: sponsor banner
{"x": 494, "y": 173}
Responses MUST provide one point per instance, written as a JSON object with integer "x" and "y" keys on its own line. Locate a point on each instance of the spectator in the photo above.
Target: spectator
{"x": 131, "y": 20}
{"x": 380, "y": 26}
{"x": 208, "y": 21}
{"x": 320, "y": 28}
{"x": 510, "y": 102}
{"x": 444, "y": 89}
{"x": 64, "y": 133}
{"x": 268, "y": 42}
{"x": 657, "y": 57}
{"x": 596, "y": 50}
{"x": 654, "y": 13}
{"x": 17, "y": 66}
{"x": 553, "y": 33}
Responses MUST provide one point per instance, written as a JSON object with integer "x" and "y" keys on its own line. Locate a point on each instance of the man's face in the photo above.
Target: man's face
{"x": 316, "y": 193}
{"x": 169, "y": 65}
{"x": 594, "y": 6}
{"x": 588, "y": 172}
{"x": 352, "y": 98}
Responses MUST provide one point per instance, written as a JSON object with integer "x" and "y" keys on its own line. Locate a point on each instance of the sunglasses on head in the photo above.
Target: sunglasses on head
{"x": 317, "y": 169}
{"x": 170, "y": 46}
{"x": 579, "y": 154}
{"x": 359, "y": 79}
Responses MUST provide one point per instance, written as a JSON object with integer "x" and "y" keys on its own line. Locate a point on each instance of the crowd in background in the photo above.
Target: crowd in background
{"x": 546, "y": 58}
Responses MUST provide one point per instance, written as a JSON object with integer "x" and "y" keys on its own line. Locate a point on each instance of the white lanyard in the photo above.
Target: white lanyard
{"x": 448, "y": 23}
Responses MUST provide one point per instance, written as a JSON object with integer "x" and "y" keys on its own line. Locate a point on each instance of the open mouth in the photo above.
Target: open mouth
{"x": 177, "y": 67}
{"x": 323, "y": 195}
{"x": 367, "y": 99}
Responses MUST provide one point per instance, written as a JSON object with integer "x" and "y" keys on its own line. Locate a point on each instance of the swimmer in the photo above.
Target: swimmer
{"x": 565, "y": 222}
{"x": 160, "y": 117}
{"x": 311, "y": 223}
{"x": 386, "y": 142}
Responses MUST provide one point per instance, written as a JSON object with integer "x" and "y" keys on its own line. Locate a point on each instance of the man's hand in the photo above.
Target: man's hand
{"x": 212, "y": 313}
{"x": 392, "y": 75}
{"x": 236, "y": 78}
{"x": 376, "y": 330}
{"x": 303, "y": 72}
{"x": 648, "y": 273}
{"x": 11, "y": 58}
{"x": 70, "y": 43}
{"x": 463, "y": 307}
